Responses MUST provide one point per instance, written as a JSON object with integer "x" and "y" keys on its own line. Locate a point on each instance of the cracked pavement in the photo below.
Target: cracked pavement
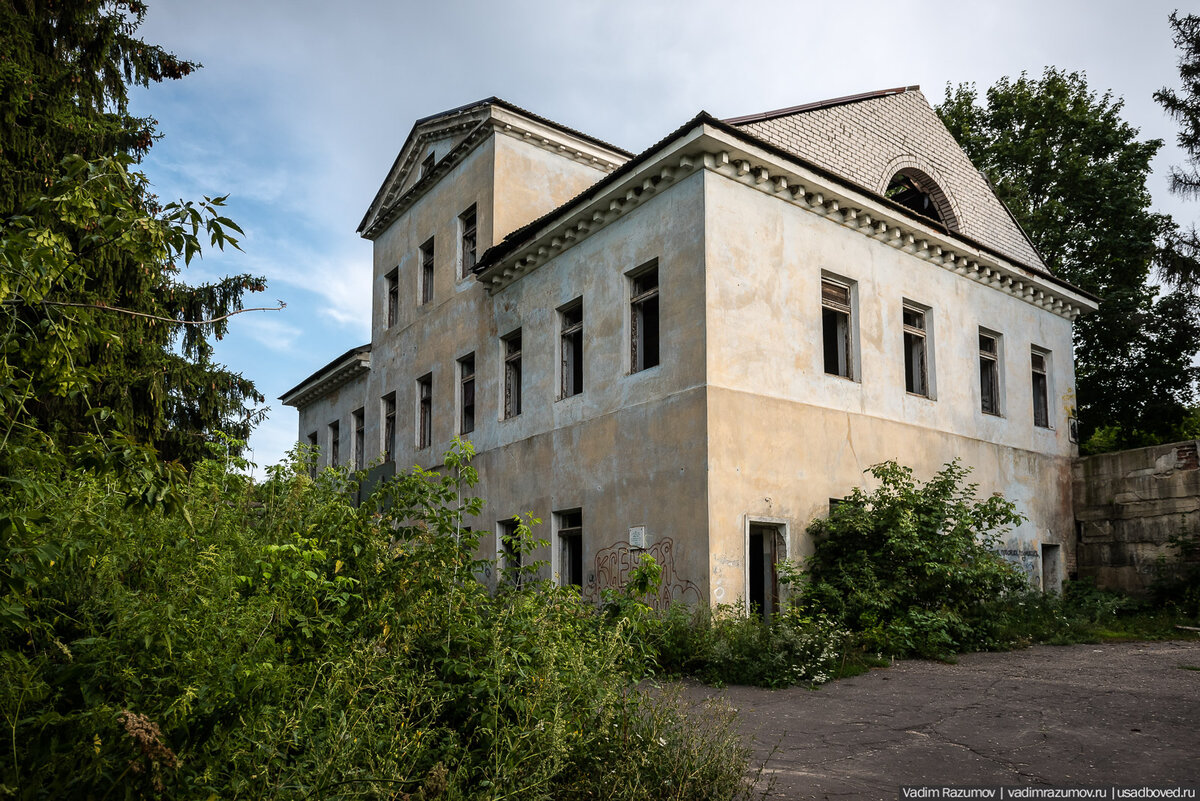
{"x": 1084, "y": 715}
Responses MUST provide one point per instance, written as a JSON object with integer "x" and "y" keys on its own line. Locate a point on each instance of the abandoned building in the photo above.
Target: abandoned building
{"x": 690, "y": 351}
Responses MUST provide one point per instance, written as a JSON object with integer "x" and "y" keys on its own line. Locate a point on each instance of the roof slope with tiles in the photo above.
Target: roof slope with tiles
{"x": 868, "y": 138}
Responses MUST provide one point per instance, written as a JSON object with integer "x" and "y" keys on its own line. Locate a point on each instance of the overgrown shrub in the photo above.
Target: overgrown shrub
{"x": 911, "y": 568}
{"x": 275, "y": 641}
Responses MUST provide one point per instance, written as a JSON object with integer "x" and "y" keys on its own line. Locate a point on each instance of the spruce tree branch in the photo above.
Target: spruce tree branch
{"x": 106, "y": 307}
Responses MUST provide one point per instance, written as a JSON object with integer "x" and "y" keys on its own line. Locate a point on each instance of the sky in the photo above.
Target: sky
{"x": 301, "y": 107}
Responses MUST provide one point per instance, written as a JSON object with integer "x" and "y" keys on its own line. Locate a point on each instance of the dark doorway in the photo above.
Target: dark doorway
{"x": 766, "y": 549}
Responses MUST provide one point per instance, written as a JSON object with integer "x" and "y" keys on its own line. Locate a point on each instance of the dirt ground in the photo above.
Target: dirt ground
{"x": 1121, "y": 715}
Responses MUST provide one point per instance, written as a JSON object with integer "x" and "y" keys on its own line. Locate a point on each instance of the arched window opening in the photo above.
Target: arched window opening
{"x": 916, "y": 191}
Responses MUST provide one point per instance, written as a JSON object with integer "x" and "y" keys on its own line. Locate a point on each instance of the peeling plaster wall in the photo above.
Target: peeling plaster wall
{"x": 813, "y": 434}
{"x": 1127, "y": 506}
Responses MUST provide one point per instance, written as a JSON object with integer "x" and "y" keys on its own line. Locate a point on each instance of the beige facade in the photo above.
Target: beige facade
{"x": 654, "y": 359}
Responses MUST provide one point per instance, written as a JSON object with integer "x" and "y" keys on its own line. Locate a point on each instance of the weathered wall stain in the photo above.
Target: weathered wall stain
{"x": 613, "y": 564}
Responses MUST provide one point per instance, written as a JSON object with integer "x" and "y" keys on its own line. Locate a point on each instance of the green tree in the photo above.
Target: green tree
{"x": 1184, "y": 106}
{"x": 92, "y": 333}
{"x": 1074, "y": 173}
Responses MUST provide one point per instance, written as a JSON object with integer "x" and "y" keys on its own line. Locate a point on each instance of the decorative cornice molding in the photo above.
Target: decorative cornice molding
{"x": 332, "y": 377}
{"x": 809, "y": 192}
{"x": 558, "y": 145}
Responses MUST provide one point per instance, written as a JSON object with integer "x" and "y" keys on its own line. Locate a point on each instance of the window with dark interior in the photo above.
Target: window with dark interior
{"x": 509, "y": 551}
{"x": 425, "y": 411}
{"x": 916, "y": 374}
{"x": 335, "y": 443}
{"x": 836, "y": 332}
{"x": 427, "y": 271}
{"x": 360, "y": 438}
{"x": 466, "y": 394}
{"x": 917, "y": 192}
{"x": 393, "y": 297}
{"x": 643, "y": 307}
{"x": 512, "y": 374}
{"x": 312, "y": 455}
{"x": 389, "y": 427}
{"x": 1041, "y": 389}
{"x": 570, "y": 548}
{"x": 570, "y": 319}
{"x": 989, "y": 373}
{"x": 466, "y": 223}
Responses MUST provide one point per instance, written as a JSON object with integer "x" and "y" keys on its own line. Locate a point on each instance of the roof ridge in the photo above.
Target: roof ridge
{"x": 820, "y": 104}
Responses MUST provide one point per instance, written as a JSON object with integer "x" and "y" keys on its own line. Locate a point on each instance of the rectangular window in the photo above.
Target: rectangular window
{"x": 989, "y": 372}
{"x": 466, "y": 222}
{"x": 427, "y": 164}
{"x": 393, "y": 297}
{"x": 512, "y": 374}
{"x": 425, "y": 411}
{"x": 836, "y": 332}
{"x": 570, "y": 320}
{"x": 1041, "y": 387}
{"x": 466, "y": 394}
{"x": 643, "y": 313}
{"x": 916, "y": 372}
{"x": 360, "y": 437}
{"x": 570, "y": 548}
{"x": 509, "y": 551}
{"x": 389, "y": 427}
{"x": 312, "y": 455}
{"x": 334, "y": 442}
{"x": 426, "y": 288}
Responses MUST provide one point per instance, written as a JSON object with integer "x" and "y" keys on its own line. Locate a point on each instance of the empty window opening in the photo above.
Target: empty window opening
{"x": 766, "y": 549}
{"x": 334, "y": 442}
{"x": 312, "y": 455}
{"x": 393, "y": 297}
{"x": 916, "y": 370}
{"x": 644, "y": 344}
{"x": 570, "y": 548}
{"x": 512, "y": 374}
{"x": 389, "y": 427}
{"x": 1041, "y": 389}
{"x": 1051, "y": 568}
{"x": 917, "y": 192}
{"x": 989, "y": 373}
{"x": 571, "y": 348}
{"x": 360, "y": 437}
{"x": 509, "y": 551}
{"x": 427, "y": 271}
{"x": 425, "y": 411}
{"x": 466, "y": 394}
{"x": 835, "y": 329}
{"x": 427, "y": 164}
{"x": 466, "y": 222}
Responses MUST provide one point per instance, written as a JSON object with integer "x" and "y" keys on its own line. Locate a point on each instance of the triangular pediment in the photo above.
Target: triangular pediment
{"x": 871, "y": 138}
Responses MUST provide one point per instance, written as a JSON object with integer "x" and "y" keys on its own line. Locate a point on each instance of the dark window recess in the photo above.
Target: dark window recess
{"x": 572, "y": 349}
{"x": 360, "y": 438}
{"x": 427, "y": 271}
{"x": 989, "y": 374}
{"x": 393, "y": 297}
{"x": 510, "y": 552}
{"x": 467, "y": 221}
{"x": 389, "y": 427}
{"x": 512, "y": 374}
{"x": 427, "y": 164}
{"x": 570, "y": 540}
{"x": 916, "y": 379}
{"x": 335, "y": 442}
{"x": 425, "y": 411}
{"x": 466, "y": 383}
{"x": 1041, "y": 393}
{"x": 644, "y": 321}
{"x": 312, "y": 455}
{"x": 835, "y": 329}
{"x": 915, "y": 193}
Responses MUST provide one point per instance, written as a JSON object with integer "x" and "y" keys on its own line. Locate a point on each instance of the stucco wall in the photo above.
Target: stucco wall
{"x": 1128, "y": 505}
{"x": 813, "y": 433}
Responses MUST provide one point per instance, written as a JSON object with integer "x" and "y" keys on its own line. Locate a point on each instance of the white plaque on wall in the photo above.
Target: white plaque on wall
{"x": 637, "y": 537}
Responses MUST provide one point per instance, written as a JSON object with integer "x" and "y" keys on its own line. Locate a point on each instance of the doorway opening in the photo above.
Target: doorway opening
{"x": 765, "y": 548}
{"x": 1051, "y": 568}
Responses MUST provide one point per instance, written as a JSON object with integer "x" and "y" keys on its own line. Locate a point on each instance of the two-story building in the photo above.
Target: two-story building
{"x": 692, "y": 350}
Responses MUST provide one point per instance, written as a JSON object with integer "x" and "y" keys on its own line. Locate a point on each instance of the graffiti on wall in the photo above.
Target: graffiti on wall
{"x": 613, "y": 564}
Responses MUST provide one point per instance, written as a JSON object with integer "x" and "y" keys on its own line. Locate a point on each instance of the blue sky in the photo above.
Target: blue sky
{"x": 301, "y": 107}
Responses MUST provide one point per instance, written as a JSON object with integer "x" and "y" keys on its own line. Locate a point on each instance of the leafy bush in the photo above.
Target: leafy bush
{"x": 275, "y": 641}
{"x": 910, "y": 568}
